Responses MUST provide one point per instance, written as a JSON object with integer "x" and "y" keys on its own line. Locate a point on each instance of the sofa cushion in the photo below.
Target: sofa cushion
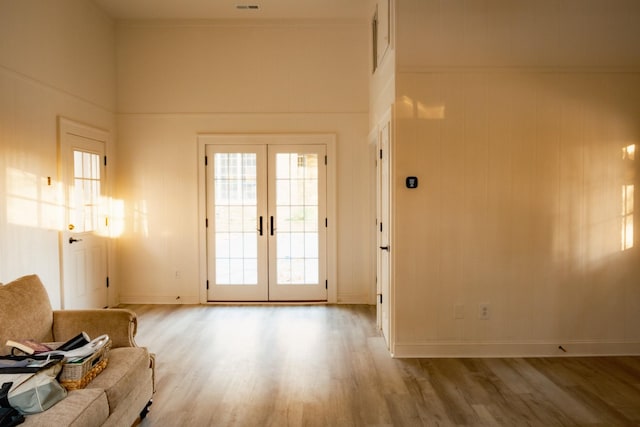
{"x": 25, "y": 312}
{"x": 138, "y": 398}
{"x": 81, "y": 408}
{"x": 127, "y": 368}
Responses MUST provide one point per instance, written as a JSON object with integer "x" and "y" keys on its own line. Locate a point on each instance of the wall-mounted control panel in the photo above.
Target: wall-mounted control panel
{"x": 412, "y": 182}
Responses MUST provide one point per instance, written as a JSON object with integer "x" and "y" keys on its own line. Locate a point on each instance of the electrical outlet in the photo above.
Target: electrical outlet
{"x": 484, "y": 311}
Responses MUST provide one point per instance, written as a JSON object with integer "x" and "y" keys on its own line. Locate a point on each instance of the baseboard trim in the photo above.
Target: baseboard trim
{"x": 355, "y": 298}
{"x": 147, "y": 299}
{"x": 500, "y": 349}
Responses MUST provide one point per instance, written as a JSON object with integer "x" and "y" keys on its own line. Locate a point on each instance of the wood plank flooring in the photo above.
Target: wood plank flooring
{"x": 328, "y": 366}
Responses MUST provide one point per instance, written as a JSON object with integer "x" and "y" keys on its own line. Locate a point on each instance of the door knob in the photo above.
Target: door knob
{"x": 72, "y": 240}
{"x": 385, "y": 248}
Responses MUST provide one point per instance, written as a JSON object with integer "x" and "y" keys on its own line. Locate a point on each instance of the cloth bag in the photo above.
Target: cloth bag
{"x": 31, "y": 393}
{"x": 10, "y": 417}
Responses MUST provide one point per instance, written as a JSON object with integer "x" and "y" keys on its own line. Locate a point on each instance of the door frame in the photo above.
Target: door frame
{"x": 385, "y": 123}
{"x": 69, "y": 126}
{"x": 327, "y": 139}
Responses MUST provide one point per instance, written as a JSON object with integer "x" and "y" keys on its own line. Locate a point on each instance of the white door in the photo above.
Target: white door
{"x": 84, "y": 239}
{"x": 266, "y": 222}
{"x": 384, "y": 210}
{"x": 297, "y": 223}
{"x": 236, "y": 223}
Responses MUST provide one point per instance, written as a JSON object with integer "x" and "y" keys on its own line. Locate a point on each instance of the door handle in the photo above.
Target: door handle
{"x": 385, "y": 248}
{"x": 260, "y": 228}
{"x": 72, "y": 240}
{"x": 271, "y": 225}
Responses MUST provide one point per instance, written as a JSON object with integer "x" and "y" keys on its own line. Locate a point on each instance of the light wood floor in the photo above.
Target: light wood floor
{"x": 328, "y": 366}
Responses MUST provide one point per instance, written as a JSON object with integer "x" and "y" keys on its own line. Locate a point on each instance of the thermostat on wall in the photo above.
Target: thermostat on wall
{"x": 412, "y": 182}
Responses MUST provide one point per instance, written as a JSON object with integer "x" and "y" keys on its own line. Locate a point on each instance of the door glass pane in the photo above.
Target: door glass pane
{"x": 297, "y": 219}
{"x": 236, "y": 214}
{"x": 85, "y": 197}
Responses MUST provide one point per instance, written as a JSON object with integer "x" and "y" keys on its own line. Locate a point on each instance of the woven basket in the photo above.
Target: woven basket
{"x": 75, "y": 376}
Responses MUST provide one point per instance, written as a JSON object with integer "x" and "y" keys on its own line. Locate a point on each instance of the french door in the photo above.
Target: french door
{"x": 266, "y": 222}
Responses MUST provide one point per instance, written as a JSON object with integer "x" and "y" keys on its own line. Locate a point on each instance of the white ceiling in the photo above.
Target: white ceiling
{"x": 226, "y": 9}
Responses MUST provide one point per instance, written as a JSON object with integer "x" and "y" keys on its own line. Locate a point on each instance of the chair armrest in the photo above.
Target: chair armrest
{"x": 120, "y": 324}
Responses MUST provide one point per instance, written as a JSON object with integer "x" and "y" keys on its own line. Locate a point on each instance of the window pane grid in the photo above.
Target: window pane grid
{"x": 236, "y": 250}
{"x": 297, "y": 219}
{"x": 85, "y": 211}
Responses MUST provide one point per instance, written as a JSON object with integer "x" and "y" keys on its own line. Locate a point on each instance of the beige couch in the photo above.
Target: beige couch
{"x": 116, "y": 397}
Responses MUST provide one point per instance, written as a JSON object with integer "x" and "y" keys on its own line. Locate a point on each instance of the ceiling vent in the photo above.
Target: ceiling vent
{"x": 247, "y": 6}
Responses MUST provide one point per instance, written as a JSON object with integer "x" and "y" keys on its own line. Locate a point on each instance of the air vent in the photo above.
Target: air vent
{"x": 247, "y": 7}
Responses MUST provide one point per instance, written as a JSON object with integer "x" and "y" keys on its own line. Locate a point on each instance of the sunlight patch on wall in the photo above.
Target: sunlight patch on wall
{"x": 116, "y": 223}
{"x": 626, "y": 238}
{"x": 429, "y": 112}
{"x": 110, "y": 217}
{"x": 409, "y": 108}
{"x": 626, "y": 228}
{"x": 33, "y": 201}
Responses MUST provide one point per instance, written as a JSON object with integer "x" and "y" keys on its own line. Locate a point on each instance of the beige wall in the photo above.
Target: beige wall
{"x": 514, "y": 116}
{"x": 176, "y": 80}
{"x": 56, "y": 59}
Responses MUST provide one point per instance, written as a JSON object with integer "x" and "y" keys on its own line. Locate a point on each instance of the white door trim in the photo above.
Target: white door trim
{"x": 327, "y": 139}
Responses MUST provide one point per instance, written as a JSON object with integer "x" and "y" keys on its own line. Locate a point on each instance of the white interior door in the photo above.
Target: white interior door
{"x": 384, "y": 213}
{"x": 84, "y": 239}
{"x": 266, "y": 222}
